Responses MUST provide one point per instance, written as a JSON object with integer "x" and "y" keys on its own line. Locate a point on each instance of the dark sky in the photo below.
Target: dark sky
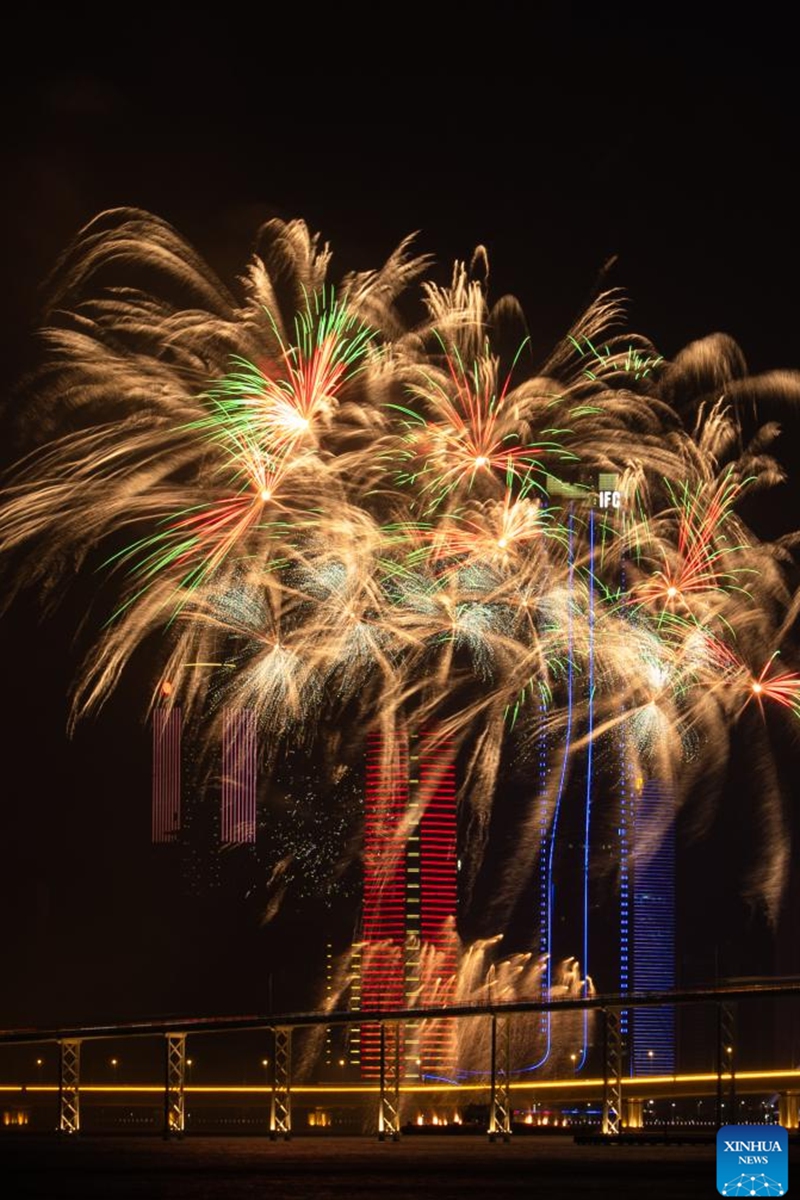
{"x": 679, "y": 160}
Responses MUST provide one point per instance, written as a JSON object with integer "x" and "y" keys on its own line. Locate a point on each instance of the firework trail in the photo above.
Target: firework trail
{"x": 353, "y": 521}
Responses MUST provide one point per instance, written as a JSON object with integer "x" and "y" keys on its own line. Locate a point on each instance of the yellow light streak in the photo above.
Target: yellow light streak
{"x": 645, "y": 1082}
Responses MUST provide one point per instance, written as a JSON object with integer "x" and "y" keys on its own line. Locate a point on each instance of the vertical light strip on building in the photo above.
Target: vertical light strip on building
{"x": 439, "y": 886}
{"x": 542, "y": 741}
{"x": 354, "y": 1004}
{"x": 329, "y": 1002}
{"x": 624, "y": 834}
{"x": 384, "y": 911}
{"x": 624, "y": 830}
{"x": 588, "y": 800}
{"x": 239, "y": 776}
{"x": 412, "y": 959}
{"x": 166, "y": 793}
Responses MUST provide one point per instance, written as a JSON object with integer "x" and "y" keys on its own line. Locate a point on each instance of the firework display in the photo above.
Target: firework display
{"x": 337, "y": 522}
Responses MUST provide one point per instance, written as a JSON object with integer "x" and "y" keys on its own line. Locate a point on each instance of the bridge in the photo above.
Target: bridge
{"x": 622, "y": 1097}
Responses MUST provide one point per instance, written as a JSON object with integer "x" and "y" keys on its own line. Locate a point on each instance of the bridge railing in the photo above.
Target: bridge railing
{"x": 621, "y": 1107}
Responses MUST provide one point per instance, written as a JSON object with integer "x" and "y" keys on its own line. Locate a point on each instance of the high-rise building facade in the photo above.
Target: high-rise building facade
{"x": 166, "y": 786}
{"x": 652, "y": 1047}
{"x": 408, "y": 951}
{"x": 239, "y": 776}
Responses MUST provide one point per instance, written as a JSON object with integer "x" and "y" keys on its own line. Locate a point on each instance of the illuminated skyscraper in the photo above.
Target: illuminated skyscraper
{"x": 166, "y": 789}
{"x": 239, "y": 776}
{"x": 409, "y": 943}
{"x": 637, "y": 847}
{"x": 438, "y": 939}
{"x": 653, "y": 1040}
{"x": 382, "y": 959}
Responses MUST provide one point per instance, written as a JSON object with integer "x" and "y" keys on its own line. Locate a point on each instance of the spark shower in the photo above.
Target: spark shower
{"x": 308, "y": 506}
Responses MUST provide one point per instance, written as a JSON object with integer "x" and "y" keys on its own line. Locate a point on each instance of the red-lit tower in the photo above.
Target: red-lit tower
{"x": 382, "y": 960}
{"x": 409, "y": 950}
{"x": 438, "y": 896}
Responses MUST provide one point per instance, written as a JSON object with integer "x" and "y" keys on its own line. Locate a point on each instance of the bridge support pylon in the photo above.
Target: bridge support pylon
{"x": 500, "y": 1095}
{"x": 612, "y": 1073}
{"x": 69, "y": 1080}
{"x": 726, "y": 1053}
{"x": 280, "y": 1118}
{"x": 174, "y": 1084}
{"x": 389, "y": 1101}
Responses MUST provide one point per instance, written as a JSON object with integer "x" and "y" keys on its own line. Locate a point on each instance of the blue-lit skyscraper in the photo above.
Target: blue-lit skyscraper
{"x": 653, "y": 924}
{"x": 629, "y": 838}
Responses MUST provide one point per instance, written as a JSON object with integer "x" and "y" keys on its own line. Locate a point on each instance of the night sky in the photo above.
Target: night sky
{"x": 671, "y": 173}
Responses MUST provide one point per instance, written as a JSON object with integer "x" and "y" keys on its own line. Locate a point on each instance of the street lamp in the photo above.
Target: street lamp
{"x": 114, "y": 1063}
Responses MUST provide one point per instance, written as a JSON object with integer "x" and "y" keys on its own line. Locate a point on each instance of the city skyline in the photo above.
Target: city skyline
{"x": 92, "y": 799}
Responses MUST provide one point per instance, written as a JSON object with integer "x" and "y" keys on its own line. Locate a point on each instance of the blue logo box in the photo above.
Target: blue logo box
{"x": 752, "y": 1160}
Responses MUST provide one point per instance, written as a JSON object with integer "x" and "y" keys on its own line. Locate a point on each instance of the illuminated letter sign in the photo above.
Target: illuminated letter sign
{"x": 610, "y": 499}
